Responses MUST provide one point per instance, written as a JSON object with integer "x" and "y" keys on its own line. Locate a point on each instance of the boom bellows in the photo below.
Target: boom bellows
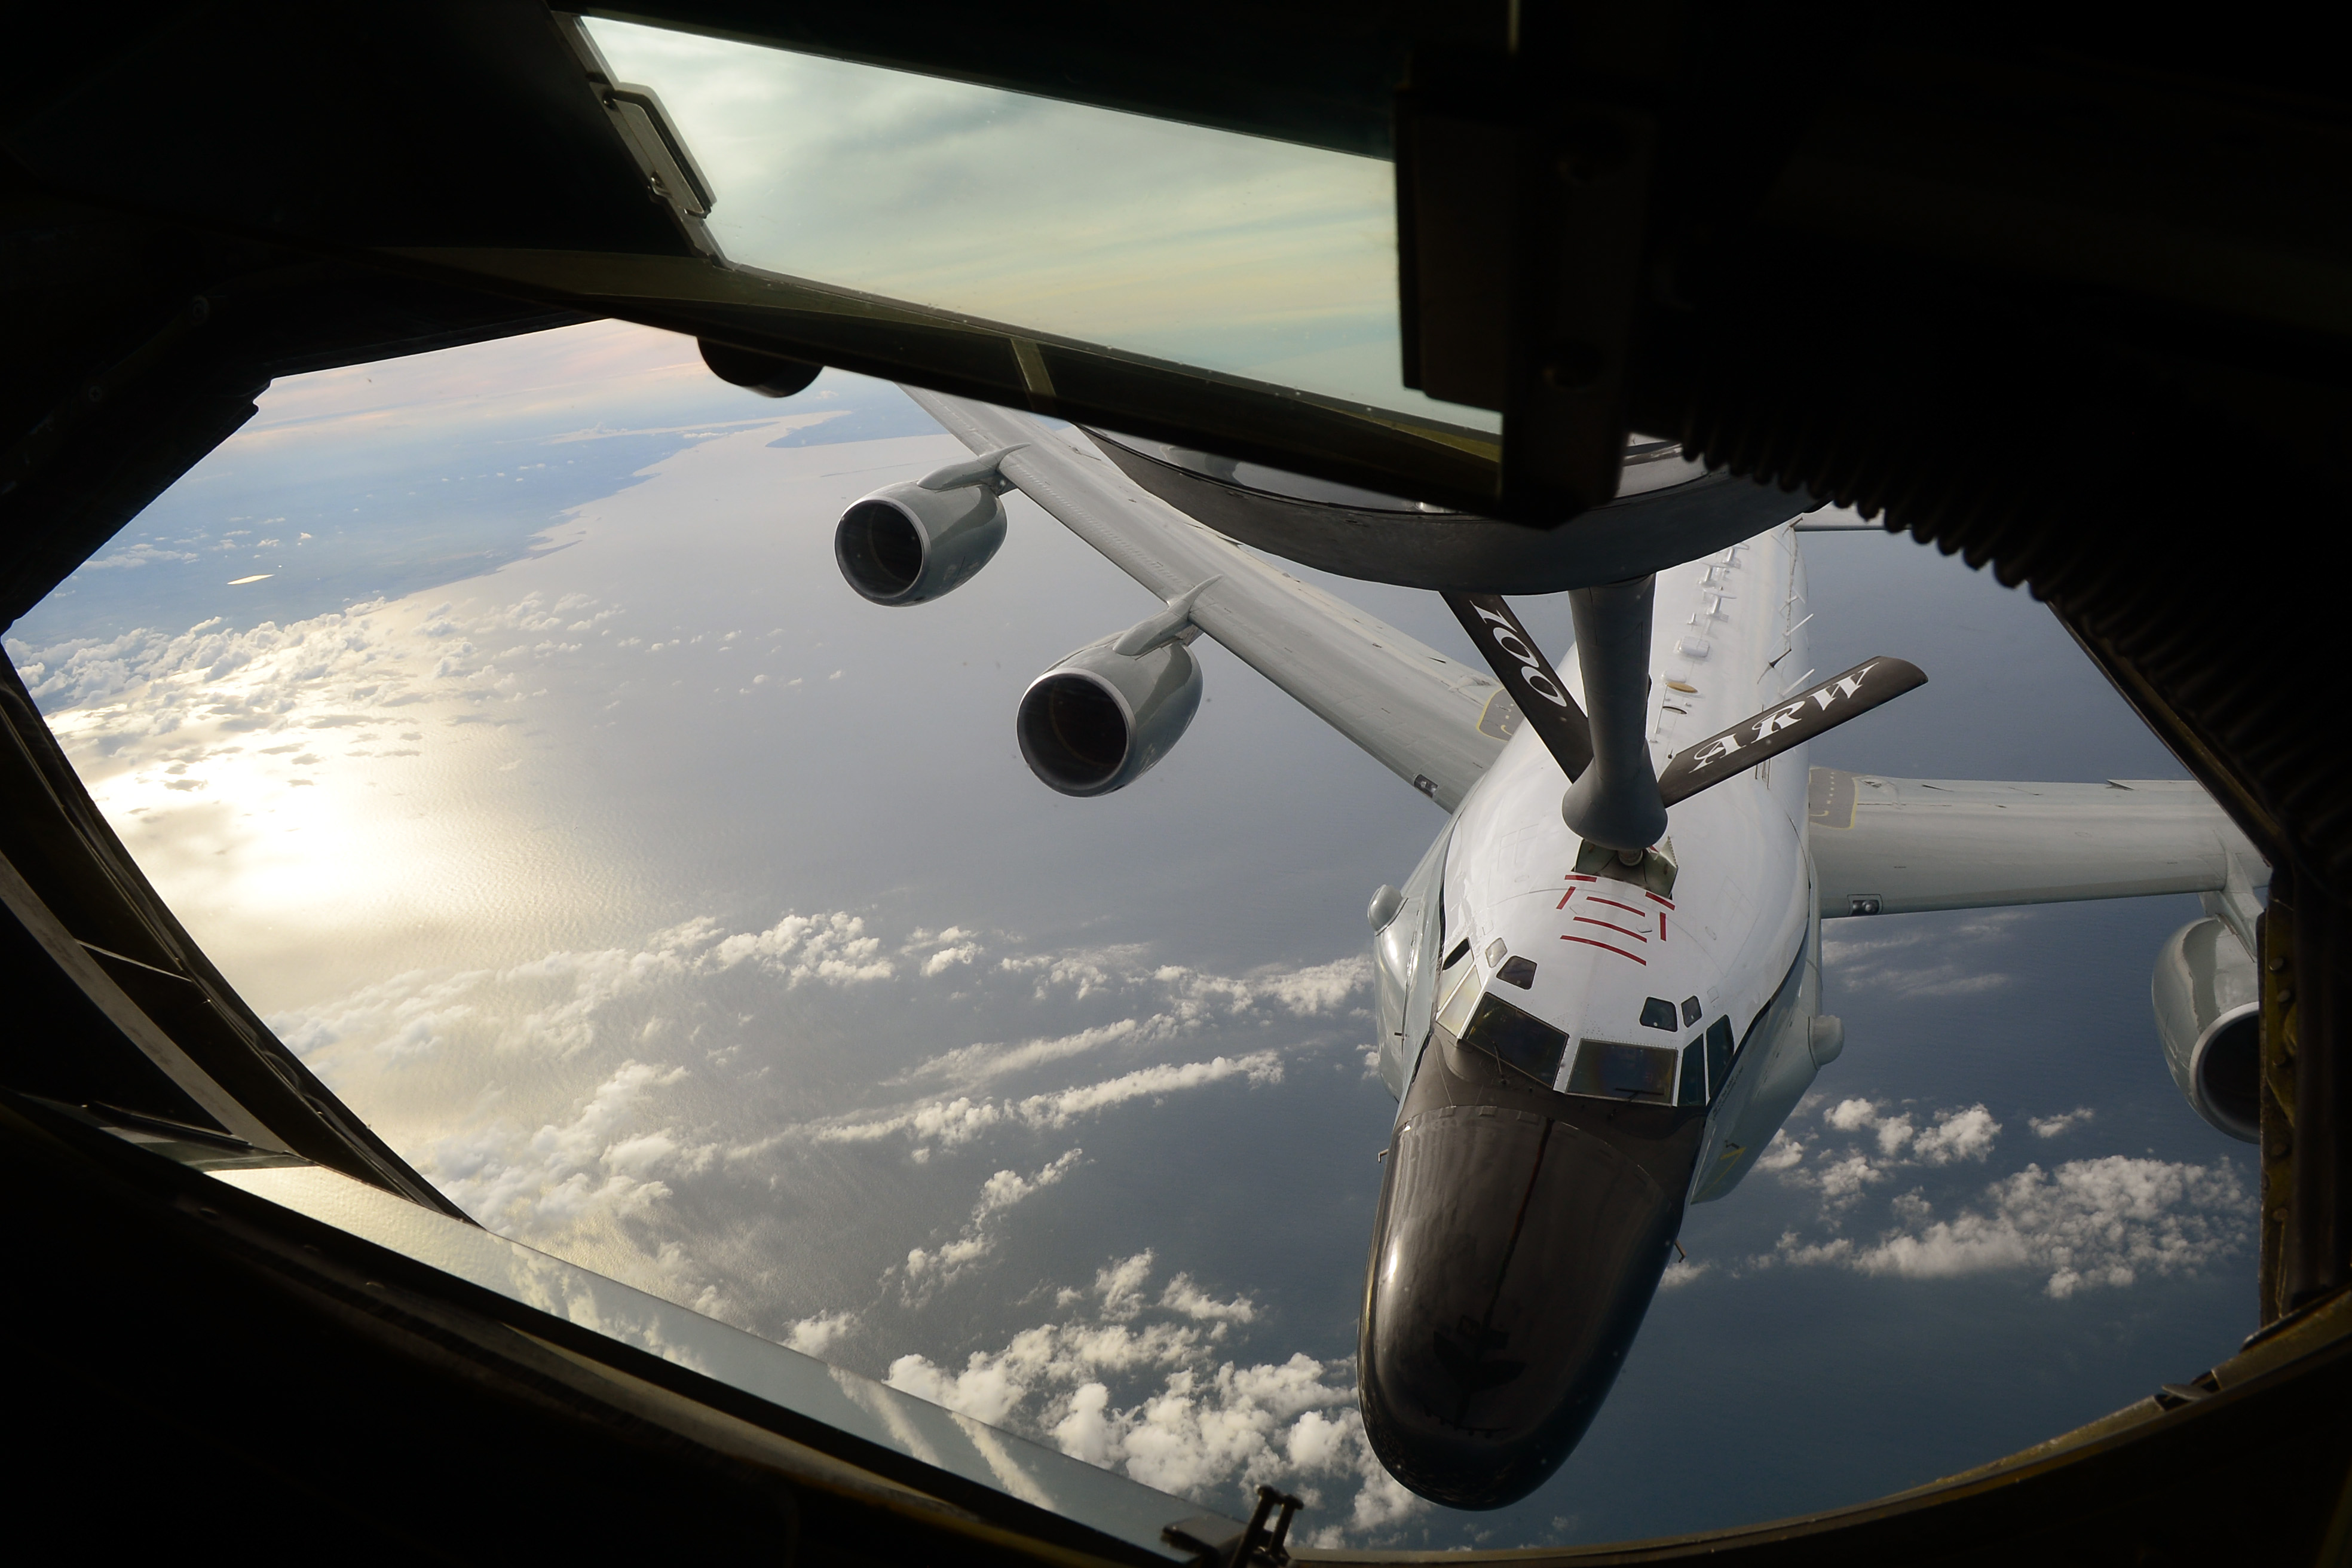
{"x": 1566, "y": 733}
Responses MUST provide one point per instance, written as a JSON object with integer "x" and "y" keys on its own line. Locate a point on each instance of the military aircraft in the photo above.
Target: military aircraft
{"x": 1599, "y": 992}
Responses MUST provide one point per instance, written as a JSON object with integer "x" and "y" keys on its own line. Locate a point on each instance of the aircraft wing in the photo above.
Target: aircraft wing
{"x": 1886, "y": 846}
{"x": 1418, "y": 711}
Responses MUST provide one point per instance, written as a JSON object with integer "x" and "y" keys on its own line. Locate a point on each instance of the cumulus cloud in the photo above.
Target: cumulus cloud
{"x": 818, "y": 1336}
{"x": 2066, "y": 1121}
{"x": 1851, "y": 1115}
{"x": 1183, "y": 1296}
{"x": 537, "y": 1183}
{"x": 1954, "y": 1134}
{"x": 2103, "y": 1223}
{"x": 1134, "y": 1386}
{"x": 631, "y": 1172}
{"x": 2091, "y": 1223}
{"x": 928, "y": 1268}
{"x": 1957, "y": 1135}
{"x": 1681, "y": 1272}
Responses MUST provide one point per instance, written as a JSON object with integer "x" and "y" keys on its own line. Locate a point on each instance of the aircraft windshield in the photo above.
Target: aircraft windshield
{"x": 1217, "y": 250}
{"x": 1522, "y": 1041}
{"x": 1617, "y": 1072}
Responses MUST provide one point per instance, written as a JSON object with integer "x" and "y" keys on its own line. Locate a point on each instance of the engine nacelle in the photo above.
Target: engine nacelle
{"x": 914, "y": 540}
{"x": 2208, "y": 996}
{"x": 1098, "y": 720}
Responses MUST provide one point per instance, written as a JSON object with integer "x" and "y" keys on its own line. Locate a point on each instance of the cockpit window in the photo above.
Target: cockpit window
{"x": 1524, "y": 1042}
{"x": 1692, "y": 1089}
{"x": 1657, "y": 1013}
{"x": 1719, "y": 1053}
{"x": 1519, "y": 972}
{"x": 1616, "y": 1071}
{"x": 1690, "y": 1009}
{"x": 1454, "y": 957}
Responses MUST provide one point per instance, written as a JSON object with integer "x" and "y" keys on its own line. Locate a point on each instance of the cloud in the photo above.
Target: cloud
{"x": 1851, "y": 1115}
{"x": 1967, "y": 1132}
{"x": 949, "y": 1122}
{"x": 2089, "y": 1224}
{"x": 2066, "y": 1121}
{"x": 1059, "y": 1108}
{"x": 832, "y": 947}
{"x": 1183, "y": 1296}
{"x": 142, "y": 555}
{"x": 2101, "y": 1223}
{"x": 818, "y": 1336}
{"x": 980, "y": 1063}
{"x": 566, "y": 1176}
{"x": 565, "y": 1001}
{"x": 930, "y": 1268}
{"x": 1134, "y": 1386}
{"x": 1957, "y": 1135}
{"x": 1916, "y": 961}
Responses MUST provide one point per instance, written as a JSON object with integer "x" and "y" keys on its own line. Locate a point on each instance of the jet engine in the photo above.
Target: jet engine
{"x": 1098, "y": 720}
{"x": 913, "y": 541}
{"x": 2207, "y": 998}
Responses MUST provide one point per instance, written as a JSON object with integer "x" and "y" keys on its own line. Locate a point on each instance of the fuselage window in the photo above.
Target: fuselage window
{"x": 1524, "y": 1042}
{"x": 1692, "y": 1088}
{"x": 1616, "y": 1071}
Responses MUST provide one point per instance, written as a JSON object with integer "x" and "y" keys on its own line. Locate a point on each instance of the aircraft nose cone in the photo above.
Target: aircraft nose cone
{"x": 1513, "y": 1260}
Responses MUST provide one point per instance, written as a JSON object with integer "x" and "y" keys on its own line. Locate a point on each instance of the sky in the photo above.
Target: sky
{"x": 678, "y": 911}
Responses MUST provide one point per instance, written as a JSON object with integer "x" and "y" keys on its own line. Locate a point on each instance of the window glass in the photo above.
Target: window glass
{"x": 1618, "y": 1071}
{"x": 1719, "y": 1055}
{"x": 1522, "y": 1041}
{"x": 498, "y": 720}
{"x": 1691, "y": 1089}
{"x": 1461, "y": 997}
{"x": 1657, "y": 1013}
{"x": 1215, "y": 249}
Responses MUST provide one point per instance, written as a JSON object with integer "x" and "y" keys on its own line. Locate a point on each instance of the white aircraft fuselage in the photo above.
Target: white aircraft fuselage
{"x": 1581, "y": 1048}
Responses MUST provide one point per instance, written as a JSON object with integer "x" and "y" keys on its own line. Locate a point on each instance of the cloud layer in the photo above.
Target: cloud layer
{"x": 2103, "y": 1223}
{"x": 1138, "y": 1383}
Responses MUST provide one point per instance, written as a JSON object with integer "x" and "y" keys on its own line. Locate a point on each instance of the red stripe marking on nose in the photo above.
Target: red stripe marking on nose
{"x": 1629, "y": 908}
{"x": 1606, "y": 948}
{"x": 1606, "y": 925}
